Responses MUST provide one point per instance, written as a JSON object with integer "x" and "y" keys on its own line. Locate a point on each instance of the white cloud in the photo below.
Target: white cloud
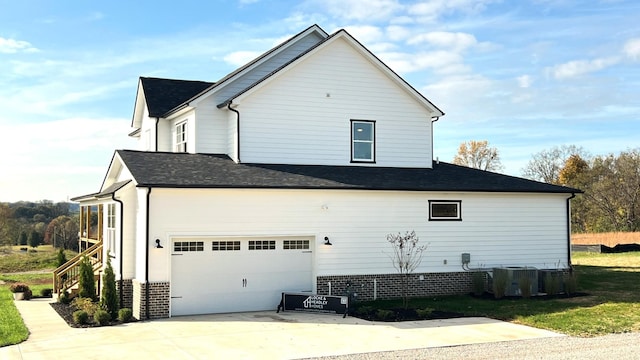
{"x": 361, "y": 10}
{"x": 580, "y": 67}
{"x": 444, "y": 62}
{"x": 433, "y": 9}
{"x": 457, "y": 41}
{"x": 365, "y": 33}
{"x": 397, "y": 32}
{"x": 632, "y": 49}
{"x": 524, "y": 81}
{"x": 11, "y": 46}
{"x": 239, "y": 58}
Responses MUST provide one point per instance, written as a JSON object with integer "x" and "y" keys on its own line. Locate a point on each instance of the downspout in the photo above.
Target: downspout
{"x": 113, "y": 197}
{"x": 569, "y": 230}
{"x": 146, "y": 270}
{"x": 433, "y": 119}
{"x": 157, "y": 121}
{"x": 237, "y": 128}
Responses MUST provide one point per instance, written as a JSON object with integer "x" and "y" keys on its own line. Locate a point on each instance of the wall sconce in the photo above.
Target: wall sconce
{"x": 158, "y": 246}
{"x": 326, "y": 241}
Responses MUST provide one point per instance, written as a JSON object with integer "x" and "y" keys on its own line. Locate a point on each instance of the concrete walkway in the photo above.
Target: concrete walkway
{"x": 255, "y": 335}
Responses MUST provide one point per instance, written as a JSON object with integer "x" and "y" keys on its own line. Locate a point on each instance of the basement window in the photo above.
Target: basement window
{"x": 295, "y": 245}
{"x": 445, "y": 210}
{"x": 225, "y": 246}
{"x": 184, "y": 246}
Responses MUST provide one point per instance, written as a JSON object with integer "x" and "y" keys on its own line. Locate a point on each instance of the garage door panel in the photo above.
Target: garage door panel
{"x": 228, "y": 277}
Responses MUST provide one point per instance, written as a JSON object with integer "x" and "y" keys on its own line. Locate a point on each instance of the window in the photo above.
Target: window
{"x": 180, "y": 246}
{"x": 363, "y": 135}
{"x": 225, "y": 245}
{"x": 111, "y": 228}
{"x": 295, "y": 244}
{"x": 181, "y": 137}
{"x": 445, "y": 210}
{"x": 262, "y": 245}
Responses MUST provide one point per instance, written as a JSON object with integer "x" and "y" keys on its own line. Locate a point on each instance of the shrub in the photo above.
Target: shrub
{"x": 570, "y": 283}
{"x": 102, "y": 317}
{"x": 86, "y": 305}
{"x": 424, "y": 313}
{"x": 125, "y": 315}
{"x": 46, "y": 293}
{"x": 61, "y": 258}
{"x": 552, "y": 283}
{"x": 500, "y": 280}
{"x": 478, "y": 280}
{"x": 384, "y": 314}
{"x": 64, "y": 298}
{"x": 525, "y": 287}
{"x": 80, "y": 317}
{"x": 109, "y": 300}
{"x": 86, "y": 283}
{"x": 19, "y": 287}
{"x": 28, "y": 294}
{"x": 364, "y": 310}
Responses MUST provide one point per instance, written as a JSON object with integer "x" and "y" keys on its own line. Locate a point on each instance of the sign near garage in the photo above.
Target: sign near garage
{"x": 314, "y": 303}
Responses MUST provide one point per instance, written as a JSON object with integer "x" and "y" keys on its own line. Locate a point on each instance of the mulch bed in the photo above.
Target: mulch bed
{"x": 66, "y": 313}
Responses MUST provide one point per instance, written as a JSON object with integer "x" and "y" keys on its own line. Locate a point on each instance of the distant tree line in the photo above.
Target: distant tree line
{"x": 35, "y": 223}
{"x": 611, "y": 183}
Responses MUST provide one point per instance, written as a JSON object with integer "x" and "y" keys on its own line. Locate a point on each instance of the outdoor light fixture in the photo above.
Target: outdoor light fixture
{"x": 326, "y": 241}
{"x": 158, "y": 246}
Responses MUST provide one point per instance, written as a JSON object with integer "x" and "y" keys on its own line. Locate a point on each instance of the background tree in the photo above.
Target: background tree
{"x": 478, "y": 155}
{"x": 62, "y": 232}
{"x": 407, "y": 256}
{"x": 24, "y": 238}
{"x": 546, "y": 165}
{"x": 6, "y": 225}
{"x": 34, "y": 239}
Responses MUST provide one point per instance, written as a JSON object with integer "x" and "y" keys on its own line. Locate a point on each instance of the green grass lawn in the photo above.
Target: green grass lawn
{"x": 611, "y": 306}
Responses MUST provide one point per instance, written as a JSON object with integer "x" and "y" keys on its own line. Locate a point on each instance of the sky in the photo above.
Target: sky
{"x": 525, "y": 75}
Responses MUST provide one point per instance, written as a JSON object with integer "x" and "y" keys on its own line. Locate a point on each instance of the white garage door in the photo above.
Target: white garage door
{"x": 231, "y": 275}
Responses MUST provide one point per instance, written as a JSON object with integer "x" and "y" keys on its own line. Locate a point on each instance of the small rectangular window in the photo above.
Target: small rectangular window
{"x": 262, "y": 245}
{"x": 181, "y": 137}
{"x": 225, "y": 246}
{"x": 363, "y": 136}
{"x": 445, "y": 210}
{"x": 295, "y": 244}
{"x": 184, "y": 246}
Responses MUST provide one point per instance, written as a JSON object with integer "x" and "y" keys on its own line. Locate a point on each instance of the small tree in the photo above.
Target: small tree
{"x": 86, "y": 281}
{"x": 61, "y": 258}
{"x": 407, "y": 256}
{"x": 22, "y": 240}
{"x": 109, "y": 300}
{"x": 35, "y": 239}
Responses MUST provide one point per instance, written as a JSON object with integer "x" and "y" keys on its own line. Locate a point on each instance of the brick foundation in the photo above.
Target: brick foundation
{"x": 127, "y": 293}
{"x": 389, "y": 286}
{"x": 159, "y": 300}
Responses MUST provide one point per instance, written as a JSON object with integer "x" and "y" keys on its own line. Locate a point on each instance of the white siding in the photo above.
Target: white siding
{"x": 189, "y": 117}
{"x": 303, "y": 116}
{"x": 210, "y": 128}
{"x": 496, "y": 229}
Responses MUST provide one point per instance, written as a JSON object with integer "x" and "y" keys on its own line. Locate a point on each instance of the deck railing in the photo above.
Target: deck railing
{"x": 68, "y": 274}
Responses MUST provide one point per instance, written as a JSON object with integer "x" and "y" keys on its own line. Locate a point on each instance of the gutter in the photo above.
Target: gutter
{"x": 569, "y": 230}
{"x": 121, "y": 281}
{"x": 433, "y": 119}
{"x": 157, "y": 121}
{"x": 146, "y": 270}
{"x": 237, "y": 128}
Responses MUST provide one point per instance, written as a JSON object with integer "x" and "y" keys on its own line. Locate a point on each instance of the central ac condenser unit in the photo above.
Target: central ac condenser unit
{"x": 517, "y": 278}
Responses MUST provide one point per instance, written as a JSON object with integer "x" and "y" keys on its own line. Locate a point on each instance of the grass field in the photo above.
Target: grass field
{"x": 610, "y": 239}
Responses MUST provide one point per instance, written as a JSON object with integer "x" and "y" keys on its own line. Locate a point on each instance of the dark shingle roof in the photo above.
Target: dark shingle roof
{"x": 164, "y": 95}
{"x": 181, "y": 170}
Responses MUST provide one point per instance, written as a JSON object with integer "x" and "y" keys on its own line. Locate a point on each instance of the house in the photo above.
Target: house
{"x": 287, "y": 175}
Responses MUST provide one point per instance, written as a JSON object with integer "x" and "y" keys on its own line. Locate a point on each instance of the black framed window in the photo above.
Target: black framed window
{"x": 445, "y": 210}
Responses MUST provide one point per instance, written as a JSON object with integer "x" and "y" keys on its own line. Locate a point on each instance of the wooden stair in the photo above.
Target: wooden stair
{"x": 68, "y": 274}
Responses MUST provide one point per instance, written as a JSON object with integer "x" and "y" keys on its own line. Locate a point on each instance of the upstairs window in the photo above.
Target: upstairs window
{"x": 181, "y": 137}
{"x": 111, "y": 228}
{"x": 363, "y": 135}
{"x": 445, "y": 210}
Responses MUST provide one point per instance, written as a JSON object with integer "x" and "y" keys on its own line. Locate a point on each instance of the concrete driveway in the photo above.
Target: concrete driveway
{"x": 255, "y": 335}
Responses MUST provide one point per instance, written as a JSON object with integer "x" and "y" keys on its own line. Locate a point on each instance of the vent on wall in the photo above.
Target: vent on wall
{"x": 515, "y": 276}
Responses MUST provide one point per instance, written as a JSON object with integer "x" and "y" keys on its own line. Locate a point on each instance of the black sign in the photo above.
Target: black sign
{"x": 314, "y": 303}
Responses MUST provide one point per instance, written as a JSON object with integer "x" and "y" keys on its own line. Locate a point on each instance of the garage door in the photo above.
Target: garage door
{"x": 231, "y": 275}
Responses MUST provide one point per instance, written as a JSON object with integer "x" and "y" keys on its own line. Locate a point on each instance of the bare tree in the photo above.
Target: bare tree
{"x": 478, "y": 155}
{"x": 407, "y": 256}
{"x": 547, "y": 164}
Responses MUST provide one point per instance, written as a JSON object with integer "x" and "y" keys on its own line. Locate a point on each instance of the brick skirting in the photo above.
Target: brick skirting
{"x": 159, "y": 300}
{"x": 389, "y": 286}
{"x": 127, "y": 293}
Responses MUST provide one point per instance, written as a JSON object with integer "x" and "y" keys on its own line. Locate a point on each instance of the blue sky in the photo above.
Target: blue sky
{"x": 524, "y": 75}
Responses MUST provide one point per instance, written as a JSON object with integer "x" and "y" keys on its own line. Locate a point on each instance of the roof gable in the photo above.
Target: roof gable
{"x": 366, "y": 53}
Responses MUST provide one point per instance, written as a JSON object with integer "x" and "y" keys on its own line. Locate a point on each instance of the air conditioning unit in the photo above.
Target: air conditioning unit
{"x": 515, "y": 276}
